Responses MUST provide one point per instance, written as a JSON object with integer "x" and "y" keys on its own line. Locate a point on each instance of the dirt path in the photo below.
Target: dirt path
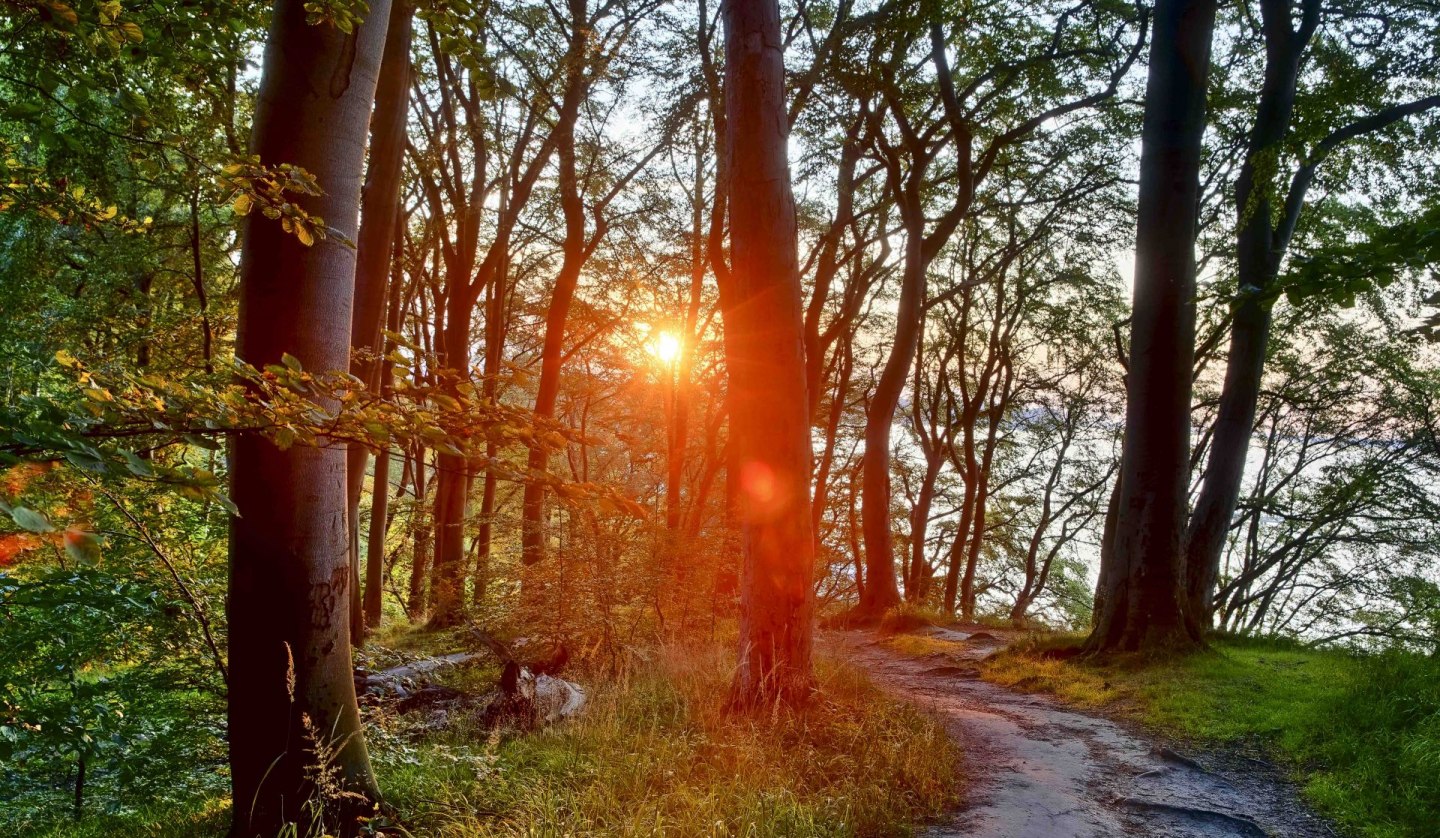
{"x": 1038, "y": 769}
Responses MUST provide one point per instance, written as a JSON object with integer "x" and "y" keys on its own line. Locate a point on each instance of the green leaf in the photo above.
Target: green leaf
{"x": 87, "y": 461}
{"x": 137, "y": 465}
{"x": 229, "y": 505}
{"x": 31, "y": 520}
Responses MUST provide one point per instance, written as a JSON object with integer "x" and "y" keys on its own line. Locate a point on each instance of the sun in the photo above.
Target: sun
{"x": 666, "y": 347}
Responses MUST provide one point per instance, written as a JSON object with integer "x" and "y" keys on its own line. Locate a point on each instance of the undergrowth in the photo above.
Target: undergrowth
{"x": 1362, "y": 732}
{"x": 655, "y": 753}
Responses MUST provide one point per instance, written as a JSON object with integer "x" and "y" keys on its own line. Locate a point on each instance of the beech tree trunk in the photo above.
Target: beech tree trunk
{"x": 764, "y": 354}
{"x": 291, "y": 689}
{"x": 576, "y": 251}
{"x": 881, "y": 590}
{"x": 1259, "y": 248}
{"x": 447, "y": 573}
{"x": 1143, "y": 604}
{"x": 380, "y": 485}
{"x": 379, "y": 209}
{"x": 415, "y": 601}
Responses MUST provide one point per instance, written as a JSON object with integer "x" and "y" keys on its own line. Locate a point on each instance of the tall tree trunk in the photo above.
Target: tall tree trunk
{"x": 1143, "y": 607}
{"x": 494, "y": 353}
{"x": 1259, "y": 249}
{"x": 291, "y": 688}
{"x": 881, "y": 590}
{"x": 379, "y": 209}
{"x": 576, "y": 250}
{"x": 845, "y": 368}
{"x": 679, "y": 436}
{"x": 764, "y": 353}
{"x": 452, "y": 476}
{"x": 375, "y": 539}
{"x": 380, "y": 485}
{"x": 969, "y": 469}
{"x": 415, "y": 602}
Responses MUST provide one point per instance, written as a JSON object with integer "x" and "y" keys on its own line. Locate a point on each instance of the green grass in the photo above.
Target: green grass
{"x": 203, "y": 816}
{"x": 1362, "y": 732}
{"x": 656, "y": 754}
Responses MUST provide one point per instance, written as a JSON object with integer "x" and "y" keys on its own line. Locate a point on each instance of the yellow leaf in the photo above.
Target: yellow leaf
{"x": 65, "y": 359}
{"x": 303, "y": 234}
{"x": 242, "y": 203}
{"x": 132, "y": 32}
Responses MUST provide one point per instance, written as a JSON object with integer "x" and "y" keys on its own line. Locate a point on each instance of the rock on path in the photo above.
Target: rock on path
{"x": 1038, "y": 769}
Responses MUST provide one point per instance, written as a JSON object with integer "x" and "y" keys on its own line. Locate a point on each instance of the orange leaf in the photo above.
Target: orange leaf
{"x": 13, "y": 544}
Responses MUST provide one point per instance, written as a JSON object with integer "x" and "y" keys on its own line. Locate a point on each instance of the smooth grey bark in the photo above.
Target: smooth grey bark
{"x": 291, "y": 692}
{"x": 379, "y": 212}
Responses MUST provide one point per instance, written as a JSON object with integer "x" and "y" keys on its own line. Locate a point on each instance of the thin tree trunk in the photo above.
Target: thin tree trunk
{"x": 291, "y": 687}
{"x": 419, "y": 571}
{"x": 769, "y": 412}
{"x": 832, "y": 430}
{"x": 576, "y": 251}
{"x": 380, "y": 485}
{"x": 379, "y": 209}
{"x": 881, "y": 590}
{"x": 452, "y": 474}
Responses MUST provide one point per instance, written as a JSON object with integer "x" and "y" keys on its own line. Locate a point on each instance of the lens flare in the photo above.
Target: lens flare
{"x": 666, "y": 347}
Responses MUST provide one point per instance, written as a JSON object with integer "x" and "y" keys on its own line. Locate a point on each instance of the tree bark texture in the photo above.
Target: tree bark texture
{"x": 764, "y": 351}
{"x": 1143, "y": 606}
{"x": 291, "y": 690}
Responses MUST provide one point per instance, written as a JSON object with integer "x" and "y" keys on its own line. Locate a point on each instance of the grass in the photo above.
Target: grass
{"x": 656, "y": 754}
{"x": 921, "y": 645}
{"x": 909, "y": 617}
{"x": 1362, "y": 732}
{"x": 202, "y": 816}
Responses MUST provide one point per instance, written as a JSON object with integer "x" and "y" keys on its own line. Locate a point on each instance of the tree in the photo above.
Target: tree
{"x": 1140, "y": 604}
{"x": 583, "y": 68}
{"x": 764, "y": 356}
{"x": 293, "y": 715}
{"x": 1266, "y": 223}
{"x": 380, "y": 211}
{"x": 939, "y": 126}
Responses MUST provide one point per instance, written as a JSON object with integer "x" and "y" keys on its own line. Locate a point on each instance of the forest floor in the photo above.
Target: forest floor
{"x": 1038, "y": 767}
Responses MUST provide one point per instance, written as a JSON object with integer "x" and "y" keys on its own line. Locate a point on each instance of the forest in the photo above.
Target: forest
{"x": 720, "y": 418}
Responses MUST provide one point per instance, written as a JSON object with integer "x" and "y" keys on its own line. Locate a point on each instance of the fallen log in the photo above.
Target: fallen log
{"x": 404, "y": 680}
{"x": 528, "y": 696}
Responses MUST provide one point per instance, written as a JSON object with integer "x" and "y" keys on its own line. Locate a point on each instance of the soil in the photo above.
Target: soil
{"x": 1036, "y": 768}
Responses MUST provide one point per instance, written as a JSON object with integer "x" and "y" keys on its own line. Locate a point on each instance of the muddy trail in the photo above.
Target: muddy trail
{"x": 1038, "y": 769}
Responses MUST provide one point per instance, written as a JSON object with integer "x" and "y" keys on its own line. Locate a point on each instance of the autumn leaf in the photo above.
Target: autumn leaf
{"x": 81, "y": 545}
{"x": 13, "y": 544}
